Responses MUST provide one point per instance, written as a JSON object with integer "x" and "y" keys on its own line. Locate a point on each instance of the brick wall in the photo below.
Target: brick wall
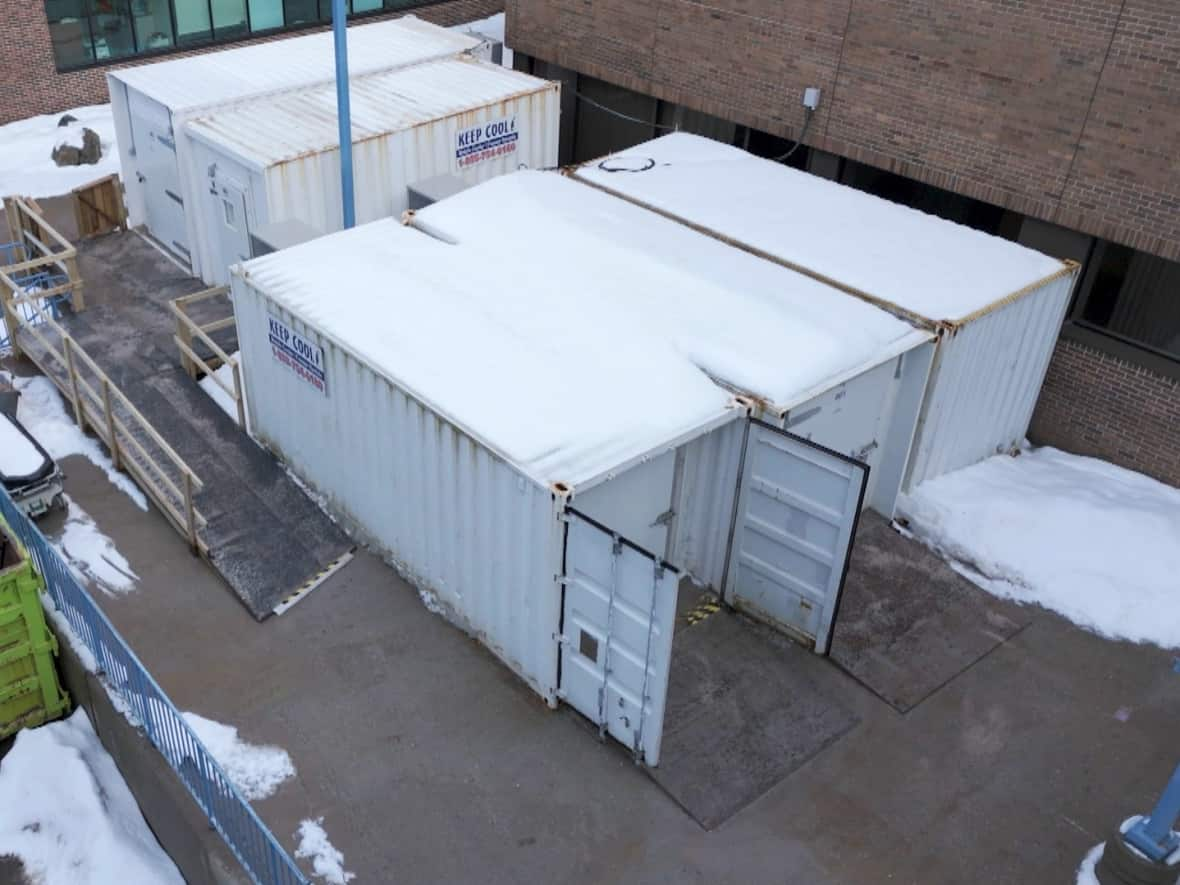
{"x": 32, "y": 84}
{"x": 1096, "y": 404}
{"x": 1067, "y": 110}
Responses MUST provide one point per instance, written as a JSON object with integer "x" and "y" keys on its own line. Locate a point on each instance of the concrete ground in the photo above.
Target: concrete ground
{"x": 430, "y": 762}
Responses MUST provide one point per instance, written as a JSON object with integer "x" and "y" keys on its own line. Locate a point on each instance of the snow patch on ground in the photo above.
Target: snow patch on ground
{"x": 224, "y": 374}
{"x": 1091, "y": 541}
{"x": 255, "y": 769}
{"x": 1086, "y": 874}
{"x": 67, "y": 813}
{"x": 326, "y": 860}
{"x": 26, "y": 146}
{"x": 430, "y": 600}
{"x": 92, "y": 553}
{"x": 43, "y": 413}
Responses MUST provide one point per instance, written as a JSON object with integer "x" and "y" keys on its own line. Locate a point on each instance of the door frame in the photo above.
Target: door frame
{"x": 726, "y": 595}
{"x": 658, "y": 562}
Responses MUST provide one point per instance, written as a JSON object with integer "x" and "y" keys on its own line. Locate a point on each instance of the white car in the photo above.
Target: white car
{"x": 28, "y": 473}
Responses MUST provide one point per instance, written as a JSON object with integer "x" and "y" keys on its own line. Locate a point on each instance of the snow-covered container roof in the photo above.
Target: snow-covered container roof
{"x": 272, "y": 130}
{"x": 929, "y": 267}
{"x": 560, "y": 387}
{"x": 750, "y": 323}
{"x": 188, "y": 84}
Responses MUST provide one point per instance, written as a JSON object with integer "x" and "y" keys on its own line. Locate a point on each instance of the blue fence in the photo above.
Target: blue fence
{"x": 231, "y": 815}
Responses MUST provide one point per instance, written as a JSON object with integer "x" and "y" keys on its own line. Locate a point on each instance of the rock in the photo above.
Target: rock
{"x": 91, "y": 148}
{"x": 66, "y": 120}
{"x": 66, "y": 154}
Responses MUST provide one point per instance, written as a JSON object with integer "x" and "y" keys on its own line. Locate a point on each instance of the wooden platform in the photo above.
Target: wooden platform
{"x": 258, "y": 528}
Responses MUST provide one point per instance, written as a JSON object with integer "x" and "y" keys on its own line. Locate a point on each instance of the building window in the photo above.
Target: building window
{"x": 1133, "y": 298}
{"x": 88, "y": 32}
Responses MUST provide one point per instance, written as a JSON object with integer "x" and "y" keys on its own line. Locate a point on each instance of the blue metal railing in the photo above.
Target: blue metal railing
{"x": 231, "y": 815}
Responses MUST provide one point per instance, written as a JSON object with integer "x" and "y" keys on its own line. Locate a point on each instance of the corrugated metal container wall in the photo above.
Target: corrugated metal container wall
{"x": 986, "y": 378}
{"x": 708, "y": 489}
{"x": 308, "y": 187}
{"x": 454, "y": 519}
{"x": 185, "y": 87}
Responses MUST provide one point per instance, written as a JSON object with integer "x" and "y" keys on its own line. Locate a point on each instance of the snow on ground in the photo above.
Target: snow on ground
{"x": 326, "y": 859}
{"x": 217, "y": 393}
{"x": 66, "y": 812}
{"x": 1091, "y": 541}
{"x": 92, "y": 553}
{"x": 1086, "y": 874}
{"x": 26, "y": 167}
{"x": 43, "y": 413}
{"x": 256, "y": 770}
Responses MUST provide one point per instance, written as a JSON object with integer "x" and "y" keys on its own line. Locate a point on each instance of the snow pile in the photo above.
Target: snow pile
{"x": 42, "y": 412}
{"x": 224, "y": 374}
{"x": 326, "y": 860}
{"x": 70, "y": 135}
{"x": 26, "y": 145}
{"x": 1091, "y": 541}
{"x": 1086, "y": 872}
{"x": 256, "y": 770}
{"x": 92, "y": 553}
{"x": 66, "y": 812}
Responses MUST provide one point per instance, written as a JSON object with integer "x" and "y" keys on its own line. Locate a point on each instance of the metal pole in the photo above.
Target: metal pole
{"x": 343, "y": 110}
{"x": 1153, "y": 834}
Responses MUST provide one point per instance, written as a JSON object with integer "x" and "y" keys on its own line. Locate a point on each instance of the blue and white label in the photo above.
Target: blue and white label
{"x": 485, "y": 141}
{"x": 301, "y": 356}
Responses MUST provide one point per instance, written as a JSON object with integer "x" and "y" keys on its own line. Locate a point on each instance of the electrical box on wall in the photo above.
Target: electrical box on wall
{"x": 811, "y": 98}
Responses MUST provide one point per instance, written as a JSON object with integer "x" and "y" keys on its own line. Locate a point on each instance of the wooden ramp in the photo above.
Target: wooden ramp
{"x": 230, "y": 498}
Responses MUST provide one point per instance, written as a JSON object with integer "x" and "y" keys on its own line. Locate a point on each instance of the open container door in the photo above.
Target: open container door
{"x": 798, "y": 506}
{"x": 618, "y": 616}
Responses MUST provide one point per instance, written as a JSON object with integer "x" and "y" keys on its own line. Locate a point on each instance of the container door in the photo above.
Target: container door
{"x": 616, "y": 645}
{"x": 157, "y": 169}
{"x": 798, "y": 505}
{"x": 233, "y": 231}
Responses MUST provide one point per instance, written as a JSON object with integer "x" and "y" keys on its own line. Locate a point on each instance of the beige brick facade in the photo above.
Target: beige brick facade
{"x": 33, "y": 85}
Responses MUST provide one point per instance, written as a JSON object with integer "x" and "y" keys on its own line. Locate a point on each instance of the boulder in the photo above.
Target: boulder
{"x": 70, "y": 154}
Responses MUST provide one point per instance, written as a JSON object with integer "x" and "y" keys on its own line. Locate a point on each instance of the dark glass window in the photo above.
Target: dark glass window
{"x": 69, "y": 29}
{"x": 153, "y": 25}
{"x": 229, "y": 18}
{"x": 301, "y": 12}
{"x": 194, "y": 23}
{"x": 85, "y": 32}
{"x": 266, "y": 15}
{"x": 1133, "y": 296}
{"x": 111, "y": 29}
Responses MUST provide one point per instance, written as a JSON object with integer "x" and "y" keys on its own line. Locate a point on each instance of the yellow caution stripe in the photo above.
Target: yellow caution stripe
{"x": 314, "y": 581}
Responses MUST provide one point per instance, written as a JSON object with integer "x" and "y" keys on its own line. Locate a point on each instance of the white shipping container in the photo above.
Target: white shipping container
{"x": 277, "y": 159}
{"x": 810, "y": 358}
{"x": 151, "y": 102}
{"x": 525, "y": 444}
{"x": 996, "y": 306}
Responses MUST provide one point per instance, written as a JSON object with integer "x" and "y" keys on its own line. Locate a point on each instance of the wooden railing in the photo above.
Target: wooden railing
{"x": 188, "y": 330}
{"x": 135, "y": 446}
{"x": 98, "y": 207}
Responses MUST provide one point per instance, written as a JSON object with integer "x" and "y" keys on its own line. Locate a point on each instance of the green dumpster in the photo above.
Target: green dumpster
{"x": 30, "y": 693}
